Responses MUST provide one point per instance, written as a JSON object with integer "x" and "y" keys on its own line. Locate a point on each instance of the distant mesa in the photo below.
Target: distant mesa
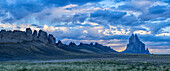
{"x": 136, "y": 46}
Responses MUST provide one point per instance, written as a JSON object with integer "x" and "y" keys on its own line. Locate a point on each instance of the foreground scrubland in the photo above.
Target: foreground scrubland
{"x": 89, "y": 65}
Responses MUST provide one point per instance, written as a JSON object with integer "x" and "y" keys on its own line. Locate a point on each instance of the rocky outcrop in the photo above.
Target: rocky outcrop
{"x": 95, "y": 48}
{"x": 97, "y": 44}
{"x": 72, "y": 44}
{"x": 51, "y": 39}
{"x": 59, "y": 43}
{"x": 13, "y": 36}
{"x": 17, "y": 36}
{"x": 25, "y": 44}
{"x": 35, "y": 35}
{"x": 147, "y": 51}
{"x": 136, "y": 46}
{"x": 91, "y": 43}
{"x": 29, "y": 34}
{"x": 42, "y": 36}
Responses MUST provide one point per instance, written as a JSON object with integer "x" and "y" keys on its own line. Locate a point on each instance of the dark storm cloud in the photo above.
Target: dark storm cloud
{"x": 75, "y": 25}
{"x": 66, "y": 2}
{"x": 157, "y": 9}
{"x": 106, "y": 17}
{"x": 156, "y": 28}
{"x": 108, "y": 14}
{"x": 156, "y": 12}
{"x": 155, "y": 39}
{"x": 21, "y": 8}
{"x": 34, "y": 25}
{"x": 71, "y": 20}
{"x": 167, "y": 1}
{"x": 148, "y": 10}
{"x": 129, "y": 21}
{"x": 136, "y": 5}
{"x": 37, "y": 26}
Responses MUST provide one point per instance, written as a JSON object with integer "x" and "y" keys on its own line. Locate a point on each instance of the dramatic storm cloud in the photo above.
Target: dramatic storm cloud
{"x": 109, "y": 22}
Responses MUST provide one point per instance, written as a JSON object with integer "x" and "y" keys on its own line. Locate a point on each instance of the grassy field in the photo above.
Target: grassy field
{"x": 90, "y": 65}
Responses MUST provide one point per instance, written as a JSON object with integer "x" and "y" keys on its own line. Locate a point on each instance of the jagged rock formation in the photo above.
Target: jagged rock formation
{"x": 15, "y": 36}
{"x": 72, "y": 44}
{"x": 136, "y": 46}
{"x": 59, "y": 43}
{"x": 147, "y": 51}
{"x": 29, "y": 34}
{"x": 42, "y": 36}
{"x": 35, "y": 35}
{"x": 52, "y": 39}
{"x": 21, "y": 36}
{"x": 85, "y": 48}
{"x": 27, "y": 45}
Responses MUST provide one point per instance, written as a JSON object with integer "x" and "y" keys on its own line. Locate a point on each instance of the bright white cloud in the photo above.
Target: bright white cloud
{"x": 142, "y": 32}
{"x": 167, "y": 29}
{"x": 113, "y": 30}
{"x": 85, "y": 31}
{"x": 163, "y": 34}
{"x": 49, "y": 28}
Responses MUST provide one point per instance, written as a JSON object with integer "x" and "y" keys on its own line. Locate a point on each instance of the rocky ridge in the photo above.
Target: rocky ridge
{"x": 21, "y": 36}
{"x": 37, "y": 45}
{"x": 40, "y": 45}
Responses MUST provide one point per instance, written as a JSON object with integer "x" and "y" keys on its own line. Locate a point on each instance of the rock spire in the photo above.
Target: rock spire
{"x": 136, "y": 46}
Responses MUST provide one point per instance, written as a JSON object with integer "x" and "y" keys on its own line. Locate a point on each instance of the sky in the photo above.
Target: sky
{"x": 108, "y": 22}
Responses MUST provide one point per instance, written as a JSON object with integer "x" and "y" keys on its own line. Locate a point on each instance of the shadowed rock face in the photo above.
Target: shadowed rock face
{"x": 25, "y": 45}
{"x": 147, "y": 51}
{"x": 59, "y": 43}
{"x": 72, "y": 44}
{"x": 14, "y": 36}
{"x": 35, "y": 35}
{"x": 136, "y": 46}
{"x": 21, "y": 36}
{"x": 29, "y": 34}
{"x": 52, "y": 39}
{"x": 42, "y": 36}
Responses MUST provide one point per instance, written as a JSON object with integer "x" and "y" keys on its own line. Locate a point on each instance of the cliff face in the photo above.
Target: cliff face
{"x": 13, "y": 36}
{"x": 136, "y": 46}
{"x": 42, "y": 36}
{"x": 21, "y": 36}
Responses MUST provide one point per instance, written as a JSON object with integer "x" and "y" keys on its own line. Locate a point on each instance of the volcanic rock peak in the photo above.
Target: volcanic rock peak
{"x": 136, "y": 46}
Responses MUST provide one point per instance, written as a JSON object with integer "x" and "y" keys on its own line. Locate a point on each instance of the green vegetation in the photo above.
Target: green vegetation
{"x": 91, "y": 65}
